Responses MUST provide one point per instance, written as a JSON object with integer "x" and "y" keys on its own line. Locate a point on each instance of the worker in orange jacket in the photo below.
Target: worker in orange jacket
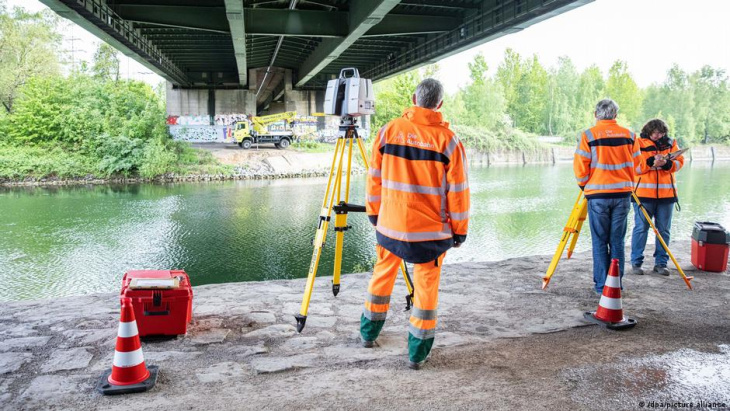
{"x": 605, "y": 163}
{"x": 418, "y": 201}
{"x": 657, "y": 191}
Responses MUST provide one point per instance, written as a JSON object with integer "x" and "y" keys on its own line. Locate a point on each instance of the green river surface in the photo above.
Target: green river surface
{"x": 79, "y": 240}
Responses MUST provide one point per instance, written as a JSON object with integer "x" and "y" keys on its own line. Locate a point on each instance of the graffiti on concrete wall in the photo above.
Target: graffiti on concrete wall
{"x": 203, "y": 120}
{"x": 199, "y": 134}
{"x": 306, "y": 126}
{"x": 229, "y": 119}
{"x": 198, "y": 128}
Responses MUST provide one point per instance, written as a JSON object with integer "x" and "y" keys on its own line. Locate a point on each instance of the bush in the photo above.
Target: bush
{"x": 495, "y": 140}
{"x": 80, "y": 125}
{"x": 19, "y": 162}
{"x": 120, "y": 155}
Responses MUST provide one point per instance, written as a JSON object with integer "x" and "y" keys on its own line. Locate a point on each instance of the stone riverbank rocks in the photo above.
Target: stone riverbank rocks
{"x": 242, "y": 350}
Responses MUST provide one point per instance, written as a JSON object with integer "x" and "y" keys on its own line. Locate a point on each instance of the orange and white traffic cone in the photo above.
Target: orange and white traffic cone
{"x": 610, "y": 312}
{"x": 129, "y": 372}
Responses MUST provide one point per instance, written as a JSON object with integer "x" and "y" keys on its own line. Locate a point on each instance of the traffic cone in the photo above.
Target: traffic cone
{"x": 610, "y": 313}
{"x": 128, "y": 373}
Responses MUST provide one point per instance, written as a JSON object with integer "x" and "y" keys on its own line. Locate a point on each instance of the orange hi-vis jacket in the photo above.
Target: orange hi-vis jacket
{"x": 417, "y": 187}
{"x": 657, "y": 184}
{"x": 606, "y": 159}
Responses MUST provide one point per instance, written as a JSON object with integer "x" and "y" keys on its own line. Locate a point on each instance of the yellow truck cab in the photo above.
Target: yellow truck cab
{"x": 274, "y": 128}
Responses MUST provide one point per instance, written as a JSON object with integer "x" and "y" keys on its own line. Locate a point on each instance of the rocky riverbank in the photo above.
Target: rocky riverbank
{"x": 502, "y": 343}
{"x": 267, "y": 163}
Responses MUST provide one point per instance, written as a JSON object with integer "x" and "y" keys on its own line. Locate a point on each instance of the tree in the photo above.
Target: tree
{"x": 28, "y": 48}
{"x": 622, "y": 88}
{"x": 562, "y": 104}
{"x": 393, "y": 96}
{"x": 483, "y": 99}
{"x": 712, "y": 104}
{"x": 529, "y": 105}
{"x": 478, "y": 69}
{"x": 106, "y": 63}
{"x": 591, "y": 89}
{"x": 509, "y": 74}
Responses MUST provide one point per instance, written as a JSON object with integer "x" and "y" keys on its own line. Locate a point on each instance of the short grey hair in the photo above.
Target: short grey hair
{"x": 606, "y": 109}
{"x": 429, "y": 93}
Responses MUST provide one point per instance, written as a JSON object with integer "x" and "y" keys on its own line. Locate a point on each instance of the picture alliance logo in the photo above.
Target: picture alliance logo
{"x": 701, "y": 404}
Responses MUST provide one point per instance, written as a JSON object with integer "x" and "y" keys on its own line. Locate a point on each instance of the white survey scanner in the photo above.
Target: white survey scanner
{"x": 349, "y": 95}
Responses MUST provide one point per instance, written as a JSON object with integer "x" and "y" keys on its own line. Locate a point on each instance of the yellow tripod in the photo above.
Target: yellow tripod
{"x": 333, "y": 200}
{"x": 572, "y": 227}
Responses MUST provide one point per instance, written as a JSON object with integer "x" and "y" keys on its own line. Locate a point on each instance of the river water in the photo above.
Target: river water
{"x": 67, "y": 241}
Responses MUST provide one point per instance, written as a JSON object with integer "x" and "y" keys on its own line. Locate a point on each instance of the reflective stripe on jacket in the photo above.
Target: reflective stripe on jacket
{"x": 605, "y": 160}
{"x": 417, "y": 187}
{"x": 657, "y": 184}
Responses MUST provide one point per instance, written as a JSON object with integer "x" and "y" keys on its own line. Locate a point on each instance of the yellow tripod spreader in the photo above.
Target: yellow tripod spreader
{"x": 334, "y": 200}
{"x": 572, "y": 228}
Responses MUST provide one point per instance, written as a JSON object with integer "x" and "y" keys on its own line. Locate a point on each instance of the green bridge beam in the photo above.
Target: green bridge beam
{"x": 284, "y": 22}
{"x": 363, "y": 16}
{"x": 237, "y": 26}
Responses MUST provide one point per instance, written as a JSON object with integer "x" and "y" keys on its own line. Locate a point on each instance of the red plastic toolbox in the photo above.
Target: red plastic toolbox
{"x": 710, "y": 246}
{"x": 159, "y": 309}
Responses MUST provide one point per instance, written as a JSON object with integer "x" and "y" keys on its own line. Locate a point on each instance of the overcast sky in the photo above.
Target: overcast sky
{"x": 650, "y": 35}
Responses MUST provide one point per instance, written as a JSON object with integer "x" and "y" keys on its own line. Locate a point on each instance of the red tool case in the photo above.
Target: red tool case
{"x": 710, "y": 245}
{"x": 166, "y": 307}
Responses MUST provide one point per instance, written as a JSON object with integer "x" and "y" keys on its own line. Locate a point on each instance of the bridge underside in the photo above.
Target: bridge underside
{"x": 268, "y": 47}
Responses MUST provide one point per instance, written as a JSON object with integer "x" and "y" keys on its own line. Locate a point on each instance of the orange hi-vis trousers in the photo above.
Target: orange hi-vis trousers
{"x": 422, "y": 327}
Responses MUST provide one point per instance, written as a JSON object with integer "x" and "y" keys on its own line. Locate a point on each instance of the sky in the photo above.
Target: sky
{"x": 650, "y": 35}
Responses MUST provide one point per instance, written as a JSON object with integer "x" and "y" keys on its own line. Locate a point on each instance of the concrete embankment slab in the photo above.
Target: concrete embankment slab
{"x": 501, "y": 342}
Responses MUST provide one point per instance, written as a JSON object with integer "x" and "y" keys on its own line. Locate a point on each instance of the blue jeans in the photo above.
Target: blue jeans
{"x": 607, "y": 218}
{"x": 662, "y": 215}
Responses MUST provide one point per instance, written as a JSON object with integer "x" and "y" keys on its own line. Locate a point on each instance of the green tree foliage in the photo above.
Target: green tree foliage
{"x": 530, "y": 105}
{"x": 696, "y": 105}
{"x": 28, "y": 49}
{"x": 562, "y": 103}
{"x": 712, "y": 99}
{"x": 120, "y": 124}
{"x": 394, "y": 95}
{"x": 622, "y": 88}
{"x": 106, "y": 63}
{"x": 524, "y": 98}
{"x": 482, "y": 99}
{"x": 509, "y": 74}
{"x": 591, "y": 89}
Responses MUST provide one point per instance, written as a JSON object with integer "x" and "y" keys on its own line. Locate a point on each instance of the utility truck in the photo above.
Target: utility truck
{"x": 274, "y": 128}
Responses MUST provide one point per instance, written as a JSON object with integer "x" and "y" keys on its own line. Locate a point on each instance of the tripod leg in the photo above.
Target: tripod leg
{"x": 362, "y": 153}
{"x": 579, "y": 225}
{"x": 319, "y": 239}
{"x": 341, "y": 217}
{"x": 661, "y": 240}
{"x": 409, "y": 284}
{"x": 569, "y": 228}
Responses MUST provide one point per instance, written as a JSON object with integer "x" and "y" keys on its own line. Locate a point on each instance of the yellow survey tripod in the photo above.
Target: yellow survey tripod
{"x": 572, "y": 228}
{"x": 334, "y": 200}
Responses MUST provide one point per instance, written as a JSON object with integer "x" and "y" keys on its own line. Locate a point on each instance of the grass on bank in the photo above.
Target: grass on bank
{"x": 309, "y": 146}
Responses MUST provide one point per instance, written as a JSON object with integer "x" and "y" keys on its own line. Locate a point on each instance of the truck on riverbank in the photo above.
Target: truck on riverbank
{"x": 274, "y": 128}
